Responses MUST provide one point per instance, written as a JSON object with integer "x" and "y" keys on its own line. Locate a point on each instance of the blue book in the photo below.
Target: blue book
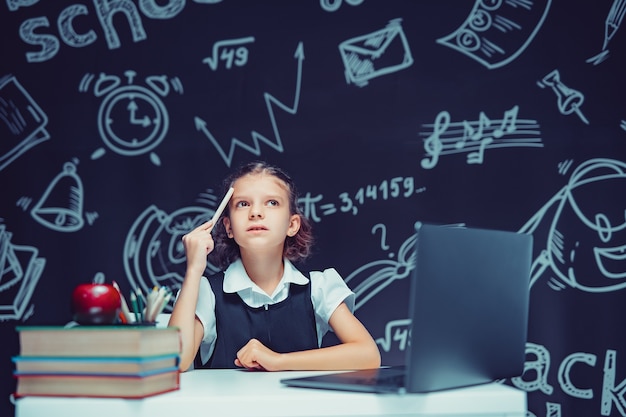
{"x": 140, "y": 366}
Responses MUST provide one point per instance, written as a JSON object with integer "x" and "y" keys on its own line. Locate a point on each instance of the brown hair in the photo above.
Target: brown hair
{"x": 297, "y": 247}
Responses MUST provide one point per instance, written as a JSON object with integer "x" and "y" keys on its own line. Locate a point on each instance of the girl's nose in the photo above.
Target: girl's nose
{"x": 255, "y": 212}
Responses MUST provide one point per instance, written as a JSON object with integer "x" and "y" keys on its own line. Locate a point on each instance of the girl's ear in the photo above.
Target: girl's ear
{"x": 229, "y": 230}
{"x": 294, "y": 225}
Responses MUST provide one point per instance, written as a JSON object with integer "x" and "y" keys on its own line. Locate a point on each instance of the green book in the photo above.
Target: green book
{"x": 98, "y": 341}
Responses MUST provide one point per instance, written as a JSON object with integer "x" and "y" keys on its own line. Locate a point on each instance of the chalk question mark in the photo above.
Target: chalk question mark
{"x": 383, "y": 235}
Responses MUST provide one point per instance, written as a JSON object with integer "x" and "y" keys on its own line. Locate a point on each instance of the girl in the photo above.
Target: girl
{"x": 261, "y": 312}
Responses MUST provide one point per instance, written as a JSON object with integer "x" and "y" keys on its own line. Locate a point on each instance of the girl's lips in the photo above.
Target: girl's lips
{"x": 256, "y": 228}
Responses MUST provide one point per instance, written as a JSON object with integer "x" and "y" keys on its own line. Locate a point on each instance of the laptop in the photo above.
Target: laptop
{"x": 468, "y": 305}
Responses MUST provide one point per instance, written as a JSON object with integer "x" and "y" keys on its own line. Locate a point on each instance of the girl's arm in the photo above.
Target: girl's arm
{"x": 357, "y": 350}
{"x": 198, "y": 244}
{"x": 184, "y": 317}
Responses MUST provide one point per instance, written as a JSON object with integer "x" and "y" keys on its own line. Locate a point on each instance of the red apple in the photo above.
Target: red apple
{"x": 95, "y": 303}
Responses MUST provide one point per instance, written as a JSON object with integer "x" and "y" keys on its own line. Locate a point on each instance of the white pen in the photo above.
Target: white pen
{"x": 222, "y": 205}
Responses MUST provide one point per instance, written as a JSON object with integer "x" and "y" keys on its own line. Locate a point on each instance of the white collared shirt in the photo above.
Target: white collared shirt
{"x": 328, "y": 291}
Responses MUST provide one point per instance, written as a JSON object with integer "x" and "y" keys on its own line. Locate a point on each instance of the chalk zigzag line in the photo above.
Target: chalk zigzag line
{"x": 257, "y": 138}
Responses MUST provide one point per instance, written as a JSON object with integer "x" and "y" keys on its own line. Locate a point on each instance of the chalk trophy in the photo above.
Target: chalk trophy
{"x": 568, "y": 99}
{"x": 61, "y": 206}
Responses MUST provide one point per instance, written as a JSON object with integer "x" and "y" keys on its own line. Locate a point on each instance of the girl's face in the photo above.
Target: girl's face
{"x": 260, "y": 218}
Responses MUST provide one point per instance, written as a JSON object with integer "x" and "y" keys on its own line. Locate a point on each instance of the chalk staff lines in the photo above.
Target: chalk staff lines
{"x": 257, "y": 138}
{"x": 445, "y": 137}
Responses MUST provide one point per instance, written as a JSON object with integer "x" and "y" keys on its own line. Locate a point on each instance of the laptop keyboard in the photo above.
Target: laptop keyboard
{"x": 396, "y": 380}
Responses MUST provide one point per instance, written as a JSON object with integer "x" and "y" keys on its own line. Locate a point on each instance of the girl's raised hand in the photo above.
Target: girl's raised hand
{"x": 198, "y": 244}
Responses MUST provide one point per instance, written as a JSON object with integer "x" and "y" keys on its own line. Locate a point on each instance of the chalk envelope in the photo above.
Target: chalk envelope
{"x": 374, "y": 54}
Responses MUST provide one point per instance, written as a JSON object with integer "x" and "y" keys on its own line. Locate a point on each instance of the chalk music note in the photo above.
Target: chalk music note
{"x": 433, "y": 145}
{"x": 473, "y": 134}
{"x": 478, "y": 156}
{"x": 508, "y": 123}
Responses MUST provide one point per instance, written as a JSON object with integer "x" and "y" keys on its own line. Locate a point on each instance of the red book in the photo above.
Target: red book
{"x": 116, "y": 386}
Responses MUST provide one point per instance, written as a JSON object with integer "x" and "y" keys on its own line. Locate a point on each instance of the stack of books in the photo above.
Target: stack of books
{"x": 97, "y": 361}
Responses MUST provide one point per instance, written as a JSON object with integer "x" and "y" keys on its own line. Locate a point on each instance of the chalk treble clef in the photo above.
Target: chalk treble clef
{"x": 433, "y": 145}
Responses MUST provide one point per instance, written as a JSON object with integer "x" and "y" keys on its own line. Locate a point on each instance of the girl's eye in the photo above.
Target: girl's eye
{"x": 241, "y": 204}
{"x": 272, "y": 203}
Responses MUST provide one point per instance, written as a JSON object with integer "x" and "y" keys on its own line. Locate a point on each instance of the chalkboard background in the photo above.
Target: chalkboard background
{"x": 118, "y": 121}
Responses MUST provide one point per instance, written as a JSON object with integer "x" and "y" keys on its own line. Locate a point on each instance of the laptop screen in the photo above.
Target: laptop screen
{"x": 468, "y": 306}
{"x": 468, "y": 311}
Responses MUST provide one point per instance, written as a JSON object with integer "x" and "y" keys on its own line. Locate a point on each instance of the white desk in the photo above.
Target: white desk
{"x": 223, "y": 393}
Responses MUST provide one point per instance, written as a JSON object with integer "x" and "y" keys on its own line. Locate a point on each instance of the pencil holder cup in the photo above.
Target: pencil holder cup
{"x": 143, "y": 324}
